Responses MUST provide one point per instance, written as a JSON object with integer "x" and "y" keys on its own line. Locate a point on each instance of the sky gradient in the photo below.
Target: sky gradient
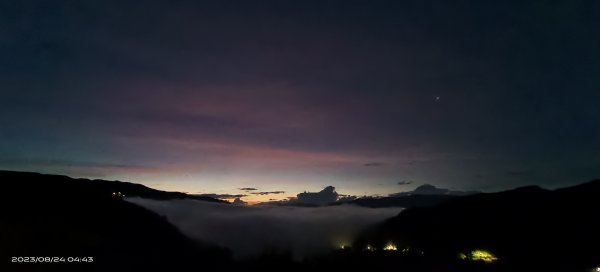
{"x": 211, "y": 97}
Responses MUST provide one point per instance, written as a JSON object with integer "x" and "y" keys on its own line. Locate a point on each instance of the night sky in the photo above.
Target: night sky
{"x": 372, "y": 97}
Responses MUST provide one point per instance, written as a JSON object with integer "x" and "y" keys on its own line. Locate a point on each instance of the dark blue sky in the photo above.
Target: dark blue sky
{"x": 297, "y": 95}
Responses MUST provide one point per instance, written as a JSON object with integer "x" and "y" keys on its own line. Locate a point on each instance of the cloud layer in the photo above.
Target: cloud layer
{"x": 249, "y": 230}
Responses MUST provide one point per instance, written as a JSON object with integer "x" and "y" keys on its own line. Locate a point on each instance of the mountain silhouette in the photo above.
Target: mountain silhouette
{"x": 56, "y": 216}
{"x": 405, "y": 201}
{"x": 422, "y": 196}
{"x": 527, "y": 228}
{"x": 33, "y": 183}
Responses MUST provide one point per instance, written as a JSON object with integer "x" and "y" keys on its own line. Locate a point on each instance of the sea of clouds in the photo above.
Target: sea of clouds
{"x": 250, "y": 230}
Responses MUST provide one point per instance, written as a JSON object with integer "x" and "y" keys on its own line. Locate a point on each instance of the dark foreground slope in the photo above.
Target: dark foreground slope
{"x": 56, "y": 216}
{"x": 527, "y": 229}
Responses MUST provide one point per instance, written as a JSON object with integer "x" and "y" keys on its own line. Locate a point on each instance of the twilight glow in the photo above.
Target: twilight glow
{"x": 293, "y": 97}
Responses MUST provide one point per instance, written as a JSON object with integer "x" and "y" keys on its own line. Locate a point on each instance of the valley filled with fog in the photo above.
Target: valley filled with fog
{"x": 249, "y": 231}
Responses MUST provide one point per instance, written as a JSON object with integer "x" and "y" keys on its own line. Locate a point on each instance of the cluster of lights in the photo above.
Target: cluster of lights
{"x": 387, "y": 247}
{"x": 118, "y": 194}
{"x": 479, "y": 255}
{"x": 390, "y": 246}
{"x": 475, "y": 255}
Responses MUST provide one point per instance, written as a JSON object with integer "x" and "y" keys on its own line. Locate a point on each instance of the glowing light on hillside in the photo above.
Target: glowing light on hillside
{"x": 479, "y": 255}
{"x": 390, "y": 246}
{"x": 118, "y": 194}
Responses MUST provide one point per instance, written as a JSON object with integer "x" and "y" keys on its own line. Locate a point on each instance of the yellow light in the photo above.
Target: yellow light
{"x": 390, "y": 246}
{"x": 369, "y": 248}
{"x": 462, "y": 256}
{"x": 483, "y": 255}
